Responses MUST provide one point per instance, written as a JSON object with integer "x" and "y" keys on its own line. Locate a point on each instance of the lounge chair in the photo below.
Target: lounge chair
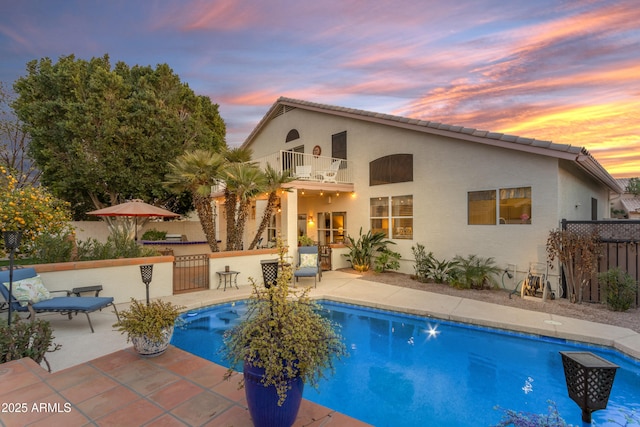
{"x": 331, "y": 174}
{"x": 303, "y": 172}
{"x": 30, "y": 295}
{"x": 308, "y": 264}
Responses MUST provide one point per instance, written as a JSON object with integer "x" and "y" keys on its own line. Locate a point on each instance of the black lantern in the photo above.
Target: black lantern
{"x": 11, "y": 243}
{"x": 269, "y": 272}
{"x": 589, "y": 380}
{"x": 146, "y": 271}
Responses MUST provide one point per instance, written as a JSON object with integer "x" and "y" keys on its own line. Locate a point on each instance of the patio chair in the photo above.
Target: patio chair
{"x": 30, "y": 295}
{"x": 308, "y": 264}
{"x": 303, "y": 172}
{"x": 331, "y": 174}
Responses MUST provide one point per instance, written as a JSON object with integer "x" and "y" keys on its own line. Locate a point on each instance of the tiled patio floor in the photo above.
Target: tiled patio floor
{"x": 123, "y": 389}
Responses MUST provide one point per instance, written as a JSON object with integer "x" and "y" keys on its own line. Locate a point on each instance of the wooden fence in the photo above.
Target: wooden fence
{"x": 620, "y": 241}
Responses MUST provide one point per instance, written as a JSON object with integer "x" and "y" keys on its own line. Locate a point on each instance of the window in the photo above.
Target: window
{"x": 482, "y": 207}
{"x": 392, "y": 216}
{"x": 391, "y": 169}
{"x": 339, "y": 146}
{"x": 514, "y": 205}
{"x": 332, "y": 227}
{"x": 292, "y": 135}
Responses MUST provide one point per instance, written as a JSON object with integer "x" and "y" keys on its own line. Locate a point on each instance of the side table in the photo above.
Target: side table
{"x": 230, "y": 276}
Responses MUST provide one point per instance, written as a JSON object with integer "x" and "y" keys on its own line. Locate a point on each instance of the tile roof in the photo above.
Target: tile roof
{"x": 631, "y": 205}
{"x": 580, "y": 155}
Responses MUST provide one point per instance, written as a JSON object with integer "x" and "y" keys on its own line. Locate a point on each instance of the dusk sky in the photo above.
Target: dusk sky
{"x": 566, "y": 71}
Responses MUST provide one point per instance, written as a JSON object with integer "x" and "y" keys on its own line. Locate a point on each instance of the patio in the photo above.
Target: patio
{"x": 103, "y": 382}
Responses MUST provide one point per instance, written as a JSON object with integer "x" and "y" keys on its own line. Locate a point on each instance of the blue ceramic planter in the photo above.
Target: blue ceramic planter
{"x": 263, "y": 401}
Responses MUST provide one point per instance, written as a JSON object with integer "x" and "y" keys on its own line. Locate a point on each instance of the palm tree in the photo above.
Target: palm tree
{"x": 274, "y": 182}
{"x": 196, "y": 171}
{"x": 244, "y": 181}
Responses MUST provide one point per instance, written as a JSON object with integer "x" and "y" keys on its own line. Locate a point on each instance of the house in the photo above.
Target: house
{"x": 456, "y": 190}
{"x": 625, "y": 205}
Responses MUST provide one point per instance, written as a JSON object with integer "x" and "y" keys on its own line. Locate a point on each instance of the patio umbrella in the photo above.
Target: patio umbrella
{"x": 134, "y": 208}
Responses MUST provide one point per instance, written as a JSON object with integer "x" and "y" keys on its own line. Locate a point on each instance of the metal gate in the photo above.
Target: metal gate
{"x": 620, "y": 240}
{"x": 190, "y": 273}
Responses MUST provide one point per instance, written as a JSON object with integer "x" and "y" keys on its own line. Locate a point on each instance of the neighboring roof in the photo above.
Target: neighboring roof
{"x": 631, "y": 205}
{"x": 579, "y": 155}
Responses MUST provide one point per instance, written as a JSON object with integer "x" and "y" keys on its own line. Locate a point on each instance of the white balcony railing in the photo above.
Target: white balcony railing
{"x": 309, "y": 167}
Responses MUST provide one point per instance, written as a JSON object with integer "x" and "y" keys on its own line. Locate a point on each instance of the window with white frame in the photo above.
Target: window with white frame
{"x": 392, "y": 215}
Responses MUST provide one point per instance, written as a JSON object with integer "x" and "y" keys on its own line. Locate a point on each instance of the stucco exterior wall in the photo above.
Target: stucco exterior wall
{"x": 445, "y": 170}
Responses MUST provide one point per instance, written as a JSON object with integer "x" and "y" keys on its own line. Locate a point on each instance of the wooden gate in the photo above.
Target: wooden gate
{"x": 620, "y": 240}
{"x": 190, "y": 273}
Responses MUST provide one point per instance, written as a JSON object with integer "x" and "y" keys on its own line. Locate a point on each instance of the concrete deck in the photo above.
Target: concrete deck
{"x": 81, "y": 347}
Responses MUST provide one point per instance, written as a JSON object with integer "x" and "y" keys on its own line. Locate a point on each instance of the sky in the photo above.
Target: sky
{"x": 565, "y": 71}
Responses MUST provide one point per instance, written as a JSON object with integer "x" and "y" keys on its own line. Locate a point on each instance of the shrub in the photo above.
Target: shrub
{"x": 387, "y": 260}
{"x": 528, "y": 419}
{"x": 31, "y": 210}
{"x": 424, "y": 262}
{"x": 26, "y": 339}
{"x": 619, "y": 288}
{"x": 474, "y": 272}
{"x": 429, "y": 268}
{"x": 578, "y": 253}
{"x": 54, "y": 248}
{"x": 442, "y": 271}
{"x": 361, "y": 251}
{"x": 153, "y": 234}
{"x": 118, "y": 245}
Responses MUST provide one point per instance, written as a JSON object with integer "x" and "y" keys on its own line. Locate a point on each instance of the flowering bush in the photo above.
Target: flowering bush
{"x": 31, "y": 210}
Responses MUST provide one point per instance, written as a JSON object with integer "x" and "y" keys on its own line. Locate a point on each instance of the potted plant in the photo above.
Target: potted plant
{"x": 149, "y": 326}
{"x": 283, "y": 343}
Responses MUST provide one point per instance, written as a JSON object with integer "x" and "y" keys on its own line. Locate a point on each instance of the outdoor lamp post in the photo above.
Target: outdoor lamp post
{"x": 589, "y": 380}
{"x": 146, "y": 271}
{"x": 11, "y": 243}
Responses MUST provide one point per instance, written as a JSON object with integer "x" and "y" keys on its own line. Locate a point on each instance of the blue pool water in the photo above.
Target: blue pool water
{"x": 407, "y": 370}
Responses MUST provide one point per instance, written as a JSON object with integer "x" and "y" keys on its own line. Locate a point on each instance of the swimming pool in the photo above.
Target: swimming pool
{"x": 406, "y": 370}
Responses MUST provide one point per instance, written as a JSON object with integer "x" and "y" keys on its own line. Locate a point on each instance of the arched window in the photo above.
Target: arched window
{"x": 391, "y": 169}
{"x": 292, "y": 135}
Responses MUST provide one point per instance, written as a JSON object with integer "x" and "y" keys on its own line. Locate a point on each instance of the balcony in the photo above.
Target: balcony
{"x": 307, "y": 167}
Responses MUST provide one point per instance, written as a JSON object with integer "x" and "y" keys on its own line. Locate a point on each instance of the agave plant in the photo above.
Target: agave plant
{"x": 361, "y": 251}
{"x": 442, "y": 271}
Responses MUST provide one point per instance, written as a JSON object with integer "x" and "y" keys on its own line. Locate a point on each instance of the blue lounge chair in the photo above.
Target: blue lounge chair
{"x": 308, "y": 264}
{"x": 66, "y": 305}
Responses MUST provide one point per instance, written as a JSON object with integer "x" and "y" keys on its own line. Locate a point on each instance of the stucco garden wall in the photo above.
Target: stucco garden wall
{"x": 119, "y": 278}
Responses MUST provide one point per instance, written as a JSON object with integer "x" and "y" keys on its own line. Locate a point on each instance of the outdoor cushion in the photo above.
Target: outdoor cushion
{"x": 29, "y": 289}
{"x": 308, "y": 260}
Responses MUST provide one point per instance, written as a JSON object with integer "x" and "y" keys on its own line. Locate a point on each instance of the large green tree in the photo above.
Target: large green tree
{"x": 103, "y": 134}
